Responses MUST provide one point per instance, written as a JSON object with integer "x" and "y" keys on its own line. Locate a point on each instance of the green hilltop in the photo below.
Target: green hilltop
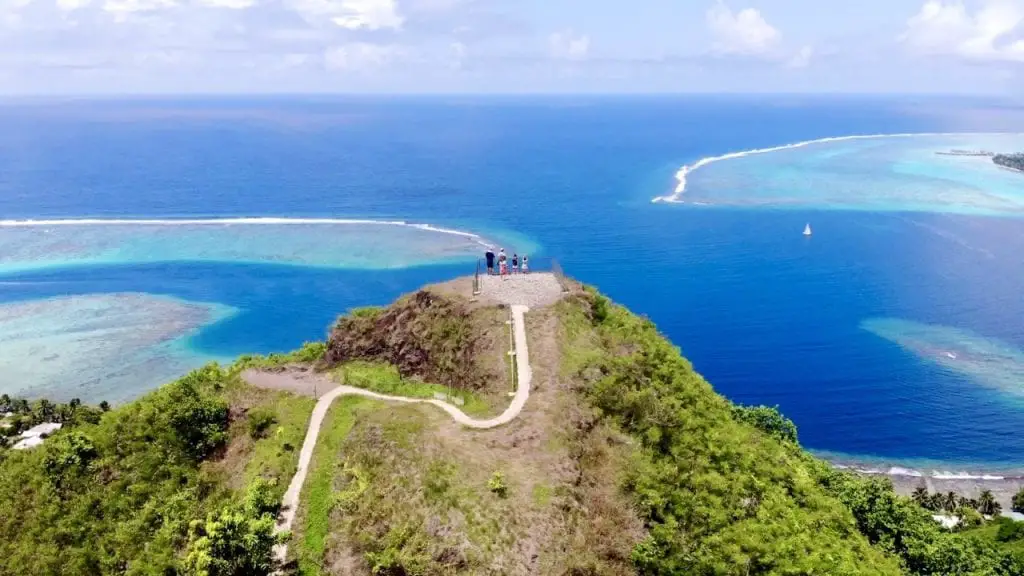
{"x": 623, "y": 461}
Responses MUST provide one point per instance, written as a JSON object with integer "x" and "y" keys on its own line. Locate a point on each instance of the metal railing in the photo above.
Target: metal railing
{"x": 512, "y": 358}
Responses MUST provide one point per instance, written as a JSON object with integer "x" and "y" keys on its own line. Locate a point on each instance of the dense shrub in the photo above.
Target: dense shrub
{"x": 198, "y": 419}
{"x": 260, "y": 420}
{"x": 1009, "y": 530}
{"x": 117, "y": 496}
{"x": 768, "y": 420}
{"x": 237, "y": 540}
{"x": 717, "y": 496}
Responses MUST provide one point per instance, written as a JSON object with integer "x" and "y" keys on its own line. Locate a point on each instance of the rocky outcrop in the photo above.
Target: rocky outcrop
{"x": 424, "y": 335}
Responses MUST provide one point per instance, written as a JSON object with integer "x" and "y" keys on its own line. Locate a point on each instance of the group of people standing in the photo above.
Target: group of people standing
{"x": 518, "y": 265}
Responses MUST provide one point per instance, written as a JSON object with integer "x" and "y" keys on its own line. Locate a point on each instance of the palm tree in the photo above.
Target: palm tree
{"x": 950, "y": 502}
{"x": 987, "y": 504}
{"x": 1018, "y": 501}
{"x": 921, "y": 496}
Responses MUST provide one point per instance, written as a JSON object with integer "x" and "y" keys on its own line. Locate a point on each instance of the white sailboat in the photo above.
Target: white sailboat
{"x": 807, "y": 229}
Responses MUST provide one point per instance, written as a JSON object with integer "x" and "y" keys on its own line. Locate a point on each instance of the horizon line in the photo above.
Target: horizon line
{"x": 493, "y": 95}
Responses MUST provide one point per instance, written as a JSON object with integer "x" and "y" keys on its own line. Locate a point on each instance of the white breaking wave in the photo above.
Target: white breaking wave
{"x": 935, "y": 474}
{"x": 235, "y": 221}
{"x": 898, "y": 471}
{"x": 685, "y": 171}
{"x": 964, "y": 476}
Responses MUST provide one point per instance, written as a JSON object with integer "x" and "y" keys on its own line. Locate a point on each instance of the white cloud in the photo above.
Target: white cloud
{"x": 351, "y": 14}
{"x": 991, "y": 33}
{"x": 567, "y": 45}
{"x": 360, "y": 56}
{"x": 231, "y": 4}
{"x": 743, "y": 33}
{"x": 458, "y": 54}
{"x": 69, "y": 5}
{"x": 294, "y": 60}
{"x": 121, "y": 9}
{"x": 802, "y": 58}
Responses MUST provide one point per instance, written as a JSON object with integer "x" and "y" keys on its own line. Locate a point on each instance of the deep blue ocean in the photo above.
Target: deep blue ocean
{"x": 765, "y": 315}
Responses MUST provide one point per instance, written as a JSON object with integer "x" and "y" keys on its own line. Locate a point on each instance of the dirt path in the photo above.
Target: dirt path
{"x": 290, "y": 502}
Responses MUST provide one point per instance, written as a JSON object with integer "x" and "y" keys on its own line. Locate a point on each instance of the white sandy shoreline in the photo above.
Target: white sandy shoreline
{"x": 1003, "y": 484}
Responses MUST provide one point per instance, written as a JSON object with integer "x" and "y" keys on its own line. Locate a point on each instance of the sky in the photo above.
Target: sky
{"x": 511, "y": 46}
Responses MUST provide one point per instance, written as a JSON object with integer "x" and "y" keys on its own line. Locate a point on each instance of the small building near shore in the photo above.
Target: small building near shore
{"x": 35, "y": 435}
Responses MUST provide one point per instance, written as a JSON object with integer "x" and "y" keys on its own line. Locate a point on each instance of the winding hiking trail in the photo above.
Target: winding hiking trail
{"x": 290, "y": 502}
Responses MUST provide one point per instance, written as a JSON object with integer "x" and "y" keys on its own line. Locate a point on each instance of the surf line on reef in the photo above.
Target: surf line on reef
{"x": 239, "y": 221}
{"x": 933, "y": 474}
{"x": 676, "y": 195}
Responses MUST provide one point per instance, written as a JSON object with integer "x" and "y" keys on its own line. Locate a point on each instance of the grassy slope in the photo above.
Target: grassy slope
{"x": 123, "y": 503}
{"x": 717, "y": 496}
{"x": 276, "y": 454}
{"x": 988, "y": 533}
{"x": 385, "y": 379}
{"x": 312, "y": 525}
{"x": 625, "y": 459}
{"x": 408, "y": 491}
{"x": 402, "y": 500}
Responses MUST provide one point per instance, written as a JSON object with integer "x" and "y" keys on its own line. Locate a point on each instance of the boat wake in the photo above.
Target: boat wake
{"x": 676, "y": 196}
{"x": 238, "y": 221}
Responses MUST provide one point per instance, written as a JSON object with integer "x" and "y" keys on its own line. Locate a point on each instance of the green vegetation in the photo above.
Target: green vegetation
{"x": 1018, "y": 501}
{"x": 385, "y": 379}
{"x": 424, "y": 334}
{"x": 628, "y": 463}
{"x": 1014, "y": 161}
{"x": 1009, "y": 530}
{"x": 318, "y": 498}
{"x": 725, "y": 490}
{"x": 904, "y": 529}
{"x": 260, "y": 420}
{"x": 1003, "y": 533}
{"x": 309, "y": 353}
{"x": 238, "y": 539}
{"x": 395, "y": 500}
{"x": 717, "y": 496}
{"x": 768, "y": 420}
{"x": 25, "y": 414}
{"x": 152, "y": 487}
{"x": 496, "y": 484}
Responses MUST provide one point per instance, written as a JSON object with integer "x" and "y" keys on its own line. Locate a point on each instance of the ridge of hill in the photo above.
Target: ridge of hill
{"x": 623, "y": 461}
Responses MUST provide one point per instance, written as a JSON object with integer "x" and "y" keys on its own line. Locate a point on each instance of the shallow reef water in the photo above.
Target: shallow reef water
{"x": 336, "y": 243}
{"x": 98, "y": 347}
{"x": 890, "y": 173}
{"x": 985, "y": 361}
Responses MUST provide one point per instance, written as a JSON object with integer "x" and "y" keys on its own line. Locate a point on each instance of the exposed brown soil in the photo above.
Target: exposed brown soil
{"x": 300, "y": 380}
{"x": 425, "y": 335}
{"x": 564, "y": 512}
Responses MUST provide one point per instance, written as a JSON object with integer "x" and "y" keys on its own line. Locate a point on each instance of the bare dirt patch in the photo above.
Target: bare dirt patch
{"x": 297, "y": 380}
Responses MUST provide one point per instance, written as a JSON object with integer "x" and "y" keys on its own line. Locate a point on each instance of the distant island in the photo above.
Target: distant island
{"x": 1011, "y": 161}
{"x": 956, "y": 152}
